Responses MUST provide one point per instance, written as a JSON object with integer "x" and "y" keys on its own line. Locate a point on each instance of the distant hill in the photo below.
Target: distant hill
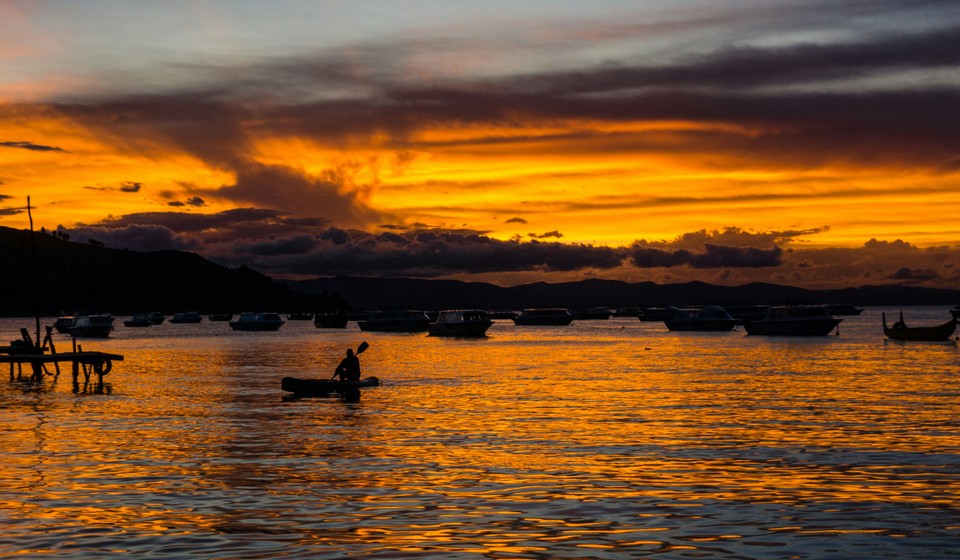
{"x": 375, "y": 293}
{"x": 75, "y": 276}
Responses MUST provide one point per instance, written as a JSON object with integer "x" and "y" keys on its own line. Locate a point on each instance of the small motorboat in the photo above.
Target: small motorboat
{"x": 798, "y": 320}
{"x": 324, "y": 387}
{"x": 900, "y": 330}
{"x": 138, "y": 320}
{"x": 462, "y": 323}
{"x": 250, "y": 321}
{"x": 92, "y": 326}
{"x": 63, "y": 323}
{"x": 156, "y": 317}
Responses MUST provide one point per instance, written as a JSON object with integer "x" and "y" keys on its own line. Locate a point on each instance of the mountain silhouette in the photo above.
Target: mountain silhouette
{"x": 75, "y": 276}
{"x": 84, "y": 277}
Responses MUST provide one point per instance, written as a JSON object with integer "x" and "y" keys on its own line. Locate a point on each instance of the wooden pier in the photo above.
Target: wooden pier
{"x": 38, "y": 356}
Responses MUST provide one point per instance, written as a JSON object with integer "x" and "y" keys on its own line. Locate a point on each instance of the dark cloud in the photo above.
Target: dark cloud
{"x": 733, "y": 237}
{"x": 282, "y": 245}
{"x": 135, "y": 237}
{"x": 433, "y": 253}
{"x": 516, "y": 221}
{"x": 125, "y": 187}
{"x": 788, "y": 104}
{"x": 195, "y": 201}
{"x": 274, "y": 186}
{"x": 911, "y": 274}
{"x": 546, "y": 235}
{"x": 33, "y": 147}
{"x": 712, "y": 256}
{"x": 226, "y": 226}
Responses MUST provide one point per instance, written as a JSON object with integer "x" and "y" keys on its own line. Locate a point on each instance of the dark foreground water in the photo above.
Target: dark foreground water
{"x": 607, "y": 439}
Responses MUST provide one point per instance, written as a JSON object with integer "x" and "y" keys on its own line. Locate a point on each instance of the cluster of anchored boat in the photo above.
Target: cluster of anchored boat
{"x": 101, "y": 325}
{"x": 795, "y": 320}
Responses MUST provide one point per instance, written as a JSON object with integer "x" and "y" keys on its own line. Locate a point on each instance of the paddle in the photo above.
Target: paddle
{"x": 360, "y": 350}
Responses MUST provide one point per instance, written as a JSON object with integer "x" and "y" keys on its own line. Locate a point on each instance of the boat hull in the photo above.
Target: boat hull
{"x": 324, "y": 387}
{"x": 462, "y": 330}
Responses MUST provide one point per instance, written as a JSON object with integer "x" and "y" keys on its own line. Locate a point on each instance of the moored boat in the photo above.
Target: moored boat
{"x": 156, "y": 317}
{"x": 706, "y": 318}
{"x": 323, "y": 387}
{"x": 799, "y": 320}
{"x": 186, "y": 317}
{"x": 462, "y": 323}
{"x": 544, "y": 316}
{"x": 395, "y": 321}
{"x": 251, "y": 321}
{"x": 63, "y": 323}
{"x": 937, "y": 333}
{"x": 138, "y": 320}
{"x": 92, "y": 326}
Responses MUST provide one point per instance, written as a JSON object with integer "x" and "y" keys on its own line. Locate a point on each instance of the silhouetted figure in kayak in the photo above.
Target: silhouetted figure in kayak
{"x": 349, "y": 368}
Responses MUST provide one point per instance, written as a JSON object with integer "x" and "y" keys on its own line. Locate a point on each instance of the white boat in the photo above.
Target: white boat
{"x": 462, "y": 323}
{"x": 250, "y": 321}
{"x": 92, "y": 326}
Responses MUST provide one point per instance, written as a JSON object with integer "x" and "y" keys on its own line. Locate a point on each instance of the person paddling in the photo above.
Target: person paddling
{"x": 349, "y": 368}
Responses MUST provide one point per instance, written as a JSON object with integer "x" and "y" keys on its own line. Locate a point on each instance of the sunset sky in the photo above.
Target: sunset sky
{"x": 810, "y": 143}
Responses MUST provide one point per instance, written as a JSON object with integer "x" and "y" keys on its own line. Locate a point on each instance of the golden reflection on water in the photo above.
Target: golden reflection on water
{"x": 612, "y": 439}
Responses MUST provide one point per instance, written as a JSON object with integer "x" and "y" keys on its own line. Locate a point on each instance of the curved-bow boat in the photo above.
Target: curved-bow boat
{"x": 900, "y": 330}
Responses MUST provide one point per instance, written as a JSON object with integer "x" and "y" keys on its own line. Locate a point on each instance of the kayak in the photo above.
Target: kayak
{"x": 321, "y": 387}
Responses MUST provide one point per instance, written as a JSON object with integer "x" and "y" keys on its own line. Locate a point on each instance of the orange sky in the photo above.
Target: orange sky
{"x": 517, "y": 150}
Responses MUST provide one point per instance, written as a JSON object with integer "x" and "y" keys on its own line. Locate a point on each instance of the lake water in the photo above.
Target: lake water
{"x": 604, "y": 439}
